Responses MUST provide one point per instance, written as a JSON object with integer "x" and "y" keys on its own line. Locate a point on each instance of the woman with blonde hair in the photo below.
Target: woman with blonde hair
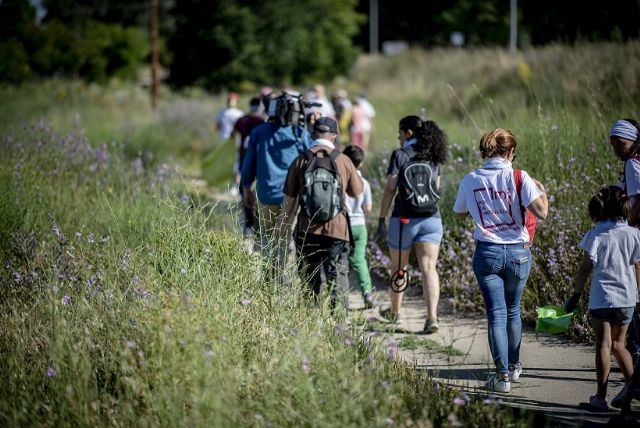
{"x": 502, "y": 259}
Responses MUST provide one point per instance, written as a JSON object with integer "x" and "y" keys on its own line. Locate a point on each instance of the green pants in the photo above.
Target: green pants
{"x": 358, "y": 259}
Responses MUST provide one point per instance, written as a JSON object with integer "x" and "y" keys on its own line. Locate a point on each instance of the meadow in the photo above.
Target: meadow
{"x": 125, "y": 302}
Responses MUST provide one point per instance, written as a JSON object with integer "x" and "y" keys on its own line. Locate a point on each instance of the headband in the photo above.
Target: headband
{"x": 624, "y": 129}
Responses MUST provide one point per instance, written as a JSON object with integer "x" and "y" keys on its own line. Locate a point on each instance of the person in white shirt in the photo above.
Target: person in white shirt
{"x": 625, "y": 143}
{"x": 228, "y": 117}
{"x": 358, "y": 208}
{"x": 502, "y": 259}
{"x": 612, "y": 257}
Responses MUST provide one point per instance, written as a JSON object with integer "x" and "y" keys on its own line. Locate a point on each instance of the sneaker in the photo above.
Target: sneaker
{"x": 392, "y": 317}
{"x": 598, "y": 403}
{"x": 498, "y": 384}
{"x": 515, "y": 370}
{"x": 369, "y": 300}
{"x": 618, "y": 400}
{"x": 431, "y": 326}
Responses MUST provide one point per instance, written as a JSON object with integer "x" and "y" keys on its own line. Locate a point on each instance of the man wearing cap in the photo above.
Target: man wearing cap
{"x": 320, "y": 244}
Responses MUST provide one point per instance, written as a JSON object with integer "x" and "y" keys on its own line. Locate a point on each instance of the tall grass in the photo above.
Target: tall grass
{"x": 120, "y": 306}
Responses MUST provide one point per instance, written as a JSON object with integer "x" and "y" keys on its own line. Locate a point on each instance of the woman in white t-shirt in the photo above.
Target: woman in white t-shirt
{"x": 502, "y": 260}
{"x": 612, "y": 257}
{"x": 626, "y": 145}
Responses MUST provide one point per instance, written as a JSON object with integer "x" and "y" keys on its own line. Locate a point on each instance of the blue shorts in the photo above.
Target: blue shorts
{"x": 426, "y": 229}
{"x": 614, "y": 315}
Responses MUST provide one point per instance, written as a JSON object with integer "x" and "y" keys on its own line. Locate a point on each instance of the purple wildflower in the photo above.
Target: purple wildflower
{"x": 459, "y": 401}
{"x": 390, "y": 421}
{"x": 245, "y": 302}
{"x": 66, "y": 299}
{"x": 51, "y": 372}
{"x": 131, "y": 344}
{"x": 306, "y": 365}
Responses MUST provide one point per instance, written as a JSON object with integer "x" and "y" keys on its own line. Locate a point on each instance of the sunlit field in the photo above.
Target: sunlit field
{"x": 128, "y": 299}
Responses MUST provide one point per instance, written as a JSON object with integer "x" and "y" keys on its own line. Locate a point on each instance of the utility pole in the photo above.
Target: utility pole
{"x": 373, "y": 26}
{"x": 155, "y": 60}
{"x": 513, "y": 39}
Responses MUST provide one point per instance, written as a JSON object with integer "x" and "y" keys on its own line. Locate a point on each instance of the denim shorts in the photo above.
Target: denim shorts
{"x": 425, "y": 229}
{"x": 615, "y": 315}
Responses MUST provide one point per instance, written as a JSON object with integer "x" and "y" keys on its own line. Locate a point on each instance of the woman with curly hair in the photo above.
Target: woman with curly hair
{"x": 415, "y": 220}
{"x": 502, "y": 259}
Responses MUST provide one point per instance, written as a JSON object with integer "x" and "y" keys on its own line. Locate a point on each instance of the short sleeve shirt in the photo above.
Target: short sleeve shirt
{"x": 489, "y": 195}
{"x": 632, "y": 177}
{"x": 354, "y": 205}
{"x": 614, "y": 248}
{"x": 399, "y": 159}
{"x": 337, "y": 227}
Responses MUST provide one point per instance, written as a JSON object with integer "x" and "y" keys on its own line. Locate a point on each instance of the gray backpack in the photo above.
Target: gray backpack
{"x": 322, "y": 196}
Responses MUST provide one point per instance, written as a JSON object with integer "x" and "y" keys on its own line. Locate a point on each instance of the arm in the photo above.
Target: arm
{"x": 248, "y": 173}
{"x": 290, "y": 208}
{"x": 387, "y": 196}
{"x": 578, "y": 283}
{"x": 540, "y": 206}
{"x": 634, "y": 213}
{"x": 637, "y": 267}
{"x": 583, "y": 274}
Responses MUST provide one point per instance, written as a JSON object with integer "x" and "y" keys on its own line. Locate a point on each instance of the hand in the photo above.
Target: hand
{"x": 381, "y": 233}
{"x": 571, "y": 303}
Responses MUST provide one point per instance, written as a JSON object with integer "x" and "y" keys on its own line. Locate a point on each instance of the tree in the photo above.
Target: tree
{"x": 222, "y": 44}
{"x": 17, "y": 39}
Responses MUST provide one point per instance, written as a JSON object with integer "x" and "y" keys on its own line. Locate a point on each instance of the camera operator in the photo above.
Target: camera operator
{"x": 272, "y": 147}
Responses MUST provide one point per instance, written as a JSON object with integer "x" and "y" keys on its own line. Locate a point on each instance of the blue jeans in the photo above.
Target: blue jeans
{"x": 502, "y": 271}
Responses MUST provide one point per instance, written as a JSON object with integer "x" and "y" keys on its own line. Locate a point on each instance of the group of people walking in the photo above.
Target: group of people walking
{"x": 284, "y": 162}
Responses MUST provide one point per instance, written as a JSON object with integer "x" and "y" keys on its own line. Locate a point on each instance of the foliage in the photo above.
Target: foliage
{"x": 95, "y": 51}
{"x": 119, "y": 306}
{"x": 265, "y": 42}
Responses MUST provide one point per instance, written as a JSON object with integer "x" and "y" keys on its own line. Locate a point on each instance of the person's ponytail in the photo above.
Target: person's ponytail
{"x": 431, "y": 142}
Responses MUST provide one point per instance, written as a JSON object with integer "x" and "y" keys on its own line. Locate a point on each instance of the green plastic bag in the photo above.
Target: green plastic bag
{"x": 217, "y": 166}
{"x": 552, "y": 319}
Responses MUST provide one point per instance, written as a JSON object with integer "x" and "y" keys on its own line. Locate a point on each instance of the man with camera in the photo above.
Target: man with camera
{"x": 271, "y": 148}
{"x": 317, "y": 180}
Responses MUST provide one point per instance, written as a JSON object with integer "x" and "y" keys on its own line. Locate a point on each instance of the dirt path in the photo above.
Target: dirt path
{"x": 558, "y": 376}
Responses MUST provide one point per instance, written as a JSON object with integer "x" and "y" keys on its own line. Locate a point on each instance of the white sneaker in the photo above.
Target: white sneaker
{"x": 515, "y": 370}
{"x": 496, "y": 384}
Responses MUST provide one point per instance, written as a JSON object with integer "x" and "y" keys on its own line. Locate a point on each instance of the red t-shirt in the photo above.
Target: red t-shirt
{"x": 244, "y": 126}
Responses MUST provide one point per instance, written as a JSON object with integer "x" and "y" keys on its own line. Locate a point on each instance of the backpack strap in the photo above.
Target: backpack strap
{"x": 517, "y": 176}
{"x": 309, "y": 155}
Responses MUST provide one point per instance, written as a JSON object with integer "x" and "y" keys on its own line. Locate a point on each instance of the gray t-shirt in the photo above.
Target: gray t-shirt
{"x": 614, "y": 248}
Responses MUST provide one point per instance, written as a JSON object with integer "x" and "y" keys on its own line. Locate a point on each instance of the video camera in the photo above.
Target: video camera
{"x": 288, "y": 109}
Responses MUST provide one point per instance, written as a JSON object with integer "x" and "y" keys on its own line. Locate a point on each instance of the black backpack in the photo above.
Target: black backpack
{"x": 415, "y": 184}
{"x": 322, "y": 196}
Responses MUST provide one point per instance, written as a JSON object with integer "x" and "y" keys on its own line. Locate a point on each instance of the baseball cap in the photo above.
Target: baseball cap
{"x": 325, "y": 124}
